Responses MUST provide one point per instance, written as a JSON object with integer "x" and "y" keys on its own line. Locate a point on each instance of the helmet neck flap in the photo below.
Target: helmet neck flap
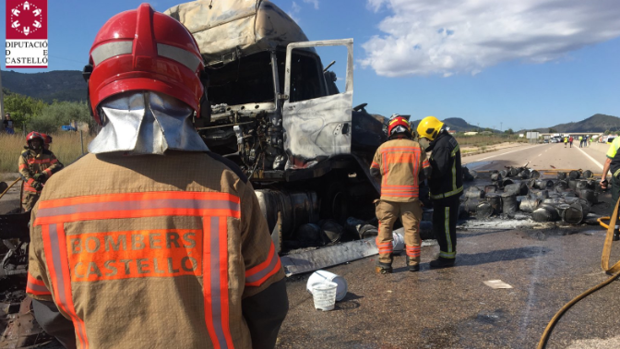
{"x": 145, "y": 122}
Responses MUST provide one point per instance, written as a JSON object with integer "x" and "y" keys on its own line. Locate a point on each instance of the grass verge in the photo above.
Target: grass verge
{"x": 66, "y": 146}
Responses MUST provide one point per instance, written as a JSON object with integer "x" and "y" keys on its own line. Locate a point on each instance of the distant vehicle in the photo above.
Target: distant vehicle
{"x": 68, "y": 128}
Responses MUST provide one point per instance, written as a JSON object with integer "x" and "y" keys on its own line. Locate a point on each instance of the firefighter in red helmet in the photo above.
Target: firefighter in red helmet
{"x": 36, "y": 164}
{"x": 400, "y": 164}
{"x": 151, "y": 241}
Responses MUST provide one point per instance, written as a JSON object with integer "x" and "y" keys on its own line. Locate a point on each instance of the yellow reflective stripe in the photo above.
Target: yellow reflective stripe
{"x": 616, "y": 173}
{"x": 454, "y": 175}
{"x": 455, "y": 150}
{"x": 447, "y": 195}
{"x": 447, "y": 255}
{"x": 447, "y": 228}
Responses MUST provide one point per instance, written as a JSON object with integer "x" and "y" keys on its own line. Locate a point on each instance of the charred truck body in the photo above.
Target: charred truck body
{"x": 277, "y": 112}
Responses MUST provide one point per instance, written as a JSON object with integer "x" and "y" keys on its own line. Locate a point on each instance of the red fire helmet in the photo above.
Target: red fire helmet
{"x": 145, "y": 50}
{"x": 34, "y": 135}
{"x": 393, "y": 126}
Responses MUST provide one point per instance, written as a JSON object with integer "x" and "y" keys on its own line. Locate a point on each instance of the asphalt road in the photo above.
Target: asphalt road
{"x": 542, "y": 157}
{"x": 546, "y": 266}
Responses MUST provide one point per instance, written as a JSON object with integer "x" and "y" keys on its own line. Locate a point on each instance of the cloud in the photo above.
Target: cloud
{"x": 445, "y": 37}
{"x": 295, "y": 9}
{"x": 313, "y": 2}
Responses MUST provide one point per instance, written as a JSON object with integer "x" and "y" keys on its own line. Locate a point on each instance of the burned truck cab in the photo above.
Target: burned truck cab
{"x": 276, "y": 111}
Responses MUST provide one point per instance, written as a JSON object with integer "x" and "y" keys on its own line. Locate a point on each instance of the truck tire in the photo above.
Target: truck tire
{"x": 334, "y": 203}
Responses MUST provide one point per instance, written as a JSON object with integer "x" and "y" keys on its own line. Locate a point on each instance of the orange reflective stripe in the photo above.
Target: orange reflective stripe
{"x": 413, "y": 251}
{"x": 141, "y": 196}
{"x": 39, "y": 161}
{"x": 138, "y": 205}
{"x": 36, "y": 287}
{"x": 383, "y": 247}
{"x": 47, "y": 171}
{"x": 54, "y": 244}
{"x": 257, "y": 275}
{"x": 23, "y": 166}
{"x": 215, "y": 281}
{"x": 374, "y": 165}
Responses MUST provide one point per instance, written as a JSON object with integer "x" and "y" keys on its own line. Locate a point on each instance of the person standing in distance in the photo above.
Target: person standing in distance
{"x": 400, "y": 165}
{"x": 446, "y": 186}
{"x": 150, "y": 240}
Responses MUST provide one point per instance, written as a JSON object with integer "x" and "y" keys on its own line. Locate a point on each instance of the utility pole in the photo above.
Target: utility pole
{"x": 500, "y": 127}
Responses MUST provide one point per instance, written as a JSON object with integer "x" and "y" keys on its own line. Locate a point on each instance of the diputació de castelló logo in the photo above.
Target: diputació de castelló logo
{"x": 26, "y": 34}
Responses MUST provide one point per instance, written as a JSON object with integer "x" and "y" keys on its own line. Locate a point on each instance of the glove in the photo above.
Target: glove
{"x": 37, "y": 185}
{"x": 604, "y": 184}
{"x": 40, "y": 177}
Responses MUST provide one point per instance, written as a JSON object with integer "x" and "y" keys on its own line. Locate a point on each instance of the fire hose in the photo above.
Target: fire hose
{"x": 9, "y": 187}
{"x": 614, "y": 271}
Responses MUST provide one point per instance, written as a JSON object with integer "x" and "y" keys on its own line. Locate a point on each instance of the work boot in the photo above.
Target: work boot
{"x": 616, "y": 236}
{"x": 442, "y": 263}
{"x": 414, "y": 267}
{"x": 383, "y": 268}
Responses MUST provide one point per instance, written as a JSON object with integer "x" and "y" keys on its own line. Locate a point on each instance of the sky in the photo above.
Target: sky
{"x": 516, "y": 64}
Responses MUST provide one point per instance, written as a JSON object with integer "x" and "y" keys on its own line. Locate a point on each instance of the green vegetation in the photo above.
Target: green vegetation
{"x": 31, "y": 114}
{"x": 61, "y": 85}
{"x": 486, "y": 140}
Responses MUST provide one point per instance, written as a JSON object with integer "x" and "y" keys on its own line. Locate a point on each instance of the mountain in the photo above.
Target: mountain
{"x": 595, "y": 123}
{"x": 62, "y": 85}
{"x": 456, "y": 124}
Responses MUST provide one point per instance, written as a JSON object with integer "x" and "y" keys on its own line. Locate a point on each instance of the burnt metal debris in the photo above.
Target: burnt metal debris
{"x": 565, "y": 196}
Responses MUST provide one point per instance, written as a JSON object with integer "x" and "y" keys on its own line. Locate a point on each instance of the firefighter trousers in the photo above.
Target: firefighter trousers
{"x": 445, "y": 216}
{"x": 29, "y": 199}
{"x": 410, "y": 214}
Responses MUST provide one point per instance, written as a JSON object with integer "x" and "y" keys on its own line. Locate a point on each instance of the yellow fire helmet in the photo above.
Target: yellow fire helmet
{"x": 429, "y": 127}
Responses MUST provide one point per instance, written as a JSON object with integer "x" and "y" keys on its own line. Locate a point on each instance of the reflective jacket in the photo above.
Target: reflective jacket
{"x": 612, "y": 153}
{"x": 399, "y": 163}
{"x": 447, "y": 174}
{"x": 153, "y": 252}
{"x": 31, "y": 163}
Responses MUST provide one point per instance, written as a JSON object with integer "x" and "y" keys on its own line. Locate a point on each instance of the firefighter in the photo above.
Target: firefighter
{"x": 400, "y": 165}
{"x": 446, "y": 186}
{"x": 612, "y": 164}
{"x": 150, "y": 240}
{"x": 47, "y": 141}
{"x": 36, "y": 165}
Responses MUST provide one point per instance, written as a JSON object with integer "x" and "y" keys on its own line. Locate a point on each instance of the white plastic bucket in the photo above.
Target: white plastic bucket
{"x": 399, "y": 242}
{"x": 324, "y": 295}
{"x": 325, "y": 276}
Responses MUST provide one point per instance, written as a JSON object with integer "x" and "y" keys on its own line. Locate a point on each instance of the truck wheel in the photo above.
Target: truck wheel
{"x": 334, "y": 203}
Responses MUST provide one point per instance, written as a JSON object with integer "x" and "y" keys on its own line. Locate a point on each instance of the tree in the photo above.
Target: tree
{"x": 61, "y": 113}
{"x": 553, "y": 130}
{"x": 22, "y": 108}
{"x": 509, "y": 131}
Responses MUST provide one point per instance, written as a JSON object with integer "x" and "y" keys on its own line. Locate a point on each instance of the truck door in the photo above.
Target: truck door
{"x": 319, "y": 127}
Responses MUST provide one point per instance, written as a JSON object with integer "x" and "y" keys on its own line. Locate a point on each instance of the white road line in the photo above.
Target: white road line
{"x": 492, "y": 156}
{"x": 591, "y": 158}
{"x": 531, "y": 298}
